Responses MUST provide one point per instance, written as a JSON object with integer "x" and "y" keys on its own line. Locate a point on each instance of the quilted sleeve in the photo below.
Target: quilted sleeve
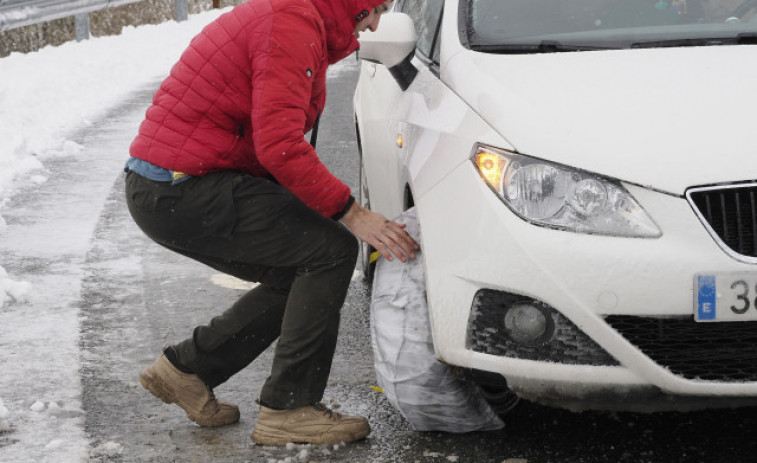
{"x": 284, "y": 76}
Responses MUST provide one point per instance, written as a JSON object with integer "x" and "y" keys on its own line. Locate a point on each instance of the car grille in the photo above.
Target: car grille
{"x": 722, "y": 351}
{"x": 487, "y": 334}
{"x": 731, "y": 215}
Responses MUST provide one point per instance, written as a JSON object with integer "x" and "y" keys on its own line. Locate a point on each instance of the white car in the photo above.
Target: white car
{"x": 585, "y": 178}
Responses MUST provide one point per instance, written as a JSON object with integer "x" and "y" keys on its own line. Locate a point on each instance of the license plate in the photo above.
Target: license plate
{"x": 722, "y": 297}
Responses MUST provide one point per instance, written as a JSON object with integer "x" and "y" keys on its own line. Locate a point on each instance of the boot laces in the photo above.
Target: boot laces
{"x": 321, "y": 407}
{"x": 211, "y": 394}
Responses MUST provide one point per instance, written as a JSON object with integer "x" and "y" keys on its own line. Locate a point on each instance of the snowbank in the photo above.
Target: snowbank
{"x": 48, "y": 94}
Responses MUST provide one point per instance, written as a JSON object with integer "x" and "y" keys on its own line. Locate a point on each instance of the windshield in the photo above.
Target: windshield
{"x": 513, "y": 26}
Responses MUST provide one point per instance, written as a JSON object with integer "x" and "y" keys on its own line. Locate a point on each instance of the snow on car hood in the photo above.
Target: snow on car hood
{"x": 666, "y": 118}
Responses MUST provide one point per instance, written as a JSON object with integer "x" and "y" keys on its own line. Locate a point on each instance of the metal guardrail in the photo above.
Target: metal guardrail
{"x": 19, "y": 13}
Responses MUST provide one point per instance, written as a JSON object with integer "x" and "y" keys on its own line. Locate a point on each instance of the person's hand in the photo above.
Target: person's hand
{"x": 388, "y": 237}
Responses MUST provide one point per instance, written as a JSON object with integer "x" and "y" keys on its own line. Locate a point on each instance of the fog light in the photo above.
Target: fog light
{"x": 528, "y": 325}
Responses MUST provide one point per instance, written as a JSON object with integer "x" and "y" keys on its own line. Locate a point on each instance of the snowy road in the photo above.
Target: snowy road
{"x": 104, "y": 300}
{"x": 47, "y": 242}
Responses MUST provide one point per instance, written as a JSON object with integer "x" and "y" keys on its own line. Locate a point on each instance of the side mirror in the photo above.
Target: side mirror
{"x": 392, "y": 44}
{"x": 392, "y": 41}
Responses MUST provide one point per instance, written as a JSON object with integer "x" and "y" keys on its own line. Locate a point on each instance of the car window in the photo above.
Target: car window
{"x": 571, "y": 25}
{"x": 425, "y": 14}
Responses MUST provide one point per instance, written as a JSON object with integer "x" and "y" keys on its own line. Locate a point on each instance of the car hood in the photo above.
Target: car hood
{"x": 666, "y": 118}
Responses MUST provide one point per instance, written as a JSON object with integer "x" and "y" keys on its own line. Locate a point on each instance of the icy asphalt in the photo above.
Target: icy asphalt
{"x": 125, "y": 297}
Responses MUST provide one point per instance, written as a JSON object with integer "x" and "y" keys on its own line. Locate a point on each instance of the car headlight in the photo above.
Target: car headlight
{"x": 560, "y": 197}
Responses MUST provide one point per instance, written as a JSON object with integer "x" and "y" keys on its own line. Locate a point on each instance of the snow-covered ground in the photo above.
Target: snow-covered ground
{"x": 47, "y": 94}
{"x": 44, "y": 97}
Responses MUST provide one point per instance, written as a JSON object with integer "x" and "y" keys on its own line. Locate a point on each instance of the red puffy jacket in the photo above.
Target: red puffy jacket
{"x": 247, "y": 89}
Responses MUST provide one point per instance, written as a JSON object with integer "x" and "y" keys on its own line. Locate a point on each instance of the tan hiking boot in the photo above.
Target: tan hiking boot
{"x": 189, "y": 392}
{"x": 314, "y": 424}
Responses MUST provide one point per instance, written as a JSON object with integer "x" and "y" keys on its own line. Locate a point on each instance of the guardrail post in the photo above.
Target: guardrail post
{"x": 181, "y": 10}
{"x": 82, "y": 26}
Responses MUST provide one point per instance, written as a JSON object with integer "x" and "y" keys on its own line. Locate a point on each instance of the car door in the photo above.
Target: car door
{"x": 387, "y": 113}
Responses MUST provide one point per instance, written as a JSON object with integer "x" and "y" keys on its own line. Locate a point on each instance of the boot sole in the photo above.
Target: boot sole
{"x": 157, "y": 387}
{"x": 263, "y": 435}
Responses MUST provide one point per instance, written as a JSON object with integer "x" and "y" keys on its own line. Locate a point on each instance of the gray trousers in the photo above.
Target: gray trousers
{"x": 256, "y": 230}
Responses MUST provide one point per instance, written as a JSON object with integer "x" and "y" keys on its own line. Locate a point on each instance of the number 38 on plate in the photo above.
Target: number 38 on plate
{"x": 725, "y": 297}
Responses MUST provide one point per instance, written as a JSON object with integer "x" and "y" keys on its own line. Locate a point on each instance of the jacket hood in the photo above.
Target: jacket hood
{"x": 340, "y": 17}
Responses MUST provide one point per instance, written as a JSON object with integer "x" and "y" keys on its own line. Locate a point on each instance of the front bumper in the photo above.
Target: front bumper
{"x": 472, "y": 241}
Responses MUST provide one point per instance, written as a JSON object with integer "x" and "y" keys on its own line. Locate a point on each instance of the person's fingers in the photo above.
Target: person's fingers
{"x": 396, "y": 250}
{"x": 404, "y": 244}
{"x": 382, "y": 244}
{"x": 409, "y": 242}
{"x": 388, "y": 253}
{"x": 400, "y": 245}
{"x": 389, "y": 238}
{"x": 403, "y": 239}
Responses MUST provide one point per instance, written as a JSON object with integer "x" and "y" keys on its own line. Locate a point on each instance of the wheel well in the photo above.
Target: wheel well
{"x": 357, "y": 138}
{"x": 409, "y": 201}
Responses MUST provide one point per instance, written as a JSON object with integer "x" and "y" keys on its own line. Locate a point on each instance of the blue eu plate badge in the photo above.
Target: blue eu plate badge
{"x": 706, "y": 308}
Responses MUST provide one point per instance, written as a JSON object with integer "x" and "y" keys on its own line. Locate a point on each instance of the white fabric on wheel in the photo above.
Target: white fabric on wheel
{"x": 421, "y": 387}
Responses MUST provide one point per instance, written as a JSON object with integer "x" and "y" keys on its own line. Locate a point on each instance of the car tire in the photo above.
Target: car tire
{"x": 501, "y": 400}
